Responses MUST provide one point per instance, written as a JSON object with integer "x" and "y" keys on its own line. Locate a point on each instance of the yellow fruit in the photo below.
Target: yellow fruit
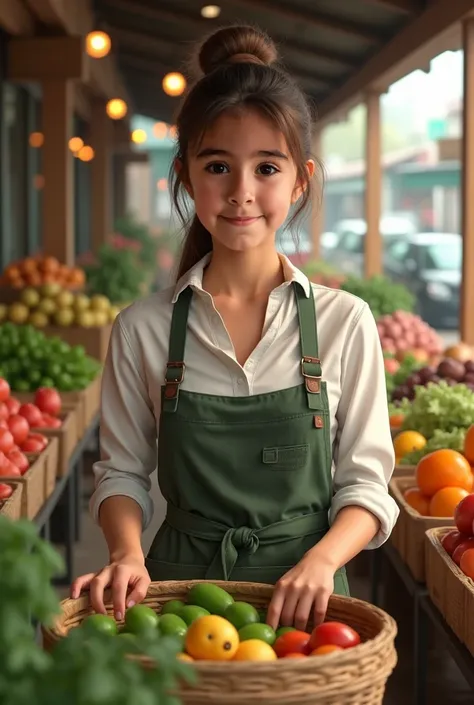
{"x": 99, "y": 303}
{"x": 85, "y": 319}
{"x": 64, "y": 317}
{"x": 254, "y": 650}
{"x": 81, "y": 302}
{"x": 30, "y": 297}
{"x": 113, "y": 313}
{"x": 101, "y": 318}
{"x": 3, "y": 312}
{"x": 38, "y": 319}
{"x": 47, "y": 306}
{"x": 212, "y": 638}
{"x": 65, "y": 299}
{"x": 18, "y": 313}
{"x": 50, "y": 290}
{"x": 407, "y": 441}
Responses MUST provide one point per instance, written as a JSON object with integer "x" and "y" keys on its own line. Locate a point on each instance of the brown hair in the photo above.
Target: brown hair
{"x": 238, "y": 68}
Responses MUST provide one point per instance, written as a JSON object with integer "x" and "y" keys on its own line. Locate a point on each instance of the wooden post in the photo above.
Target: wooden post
{"x": 467, "y": 162}
{"x": 317, "y": 203}
{"x": 373, "y": 187}
{"x": 101, "y": 142}
{"x": 57, "y": 219}
{"x": 119, "y": 187}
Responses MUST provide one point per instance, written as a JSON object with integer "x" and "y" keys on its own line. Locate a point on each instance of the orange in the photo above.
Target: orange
{"x": 407, "y": 441}
{"x": 254, "y": 650}
{"x": 396, "y": 420}
{"x": 445, "y": 501}
{"x": 212, "y": 638}
{"x": 443, "y": 468}
{"x": 326, "y": 649}
{"x": 184, "y": 657}
{"x": 418, "y": 501}
{"x": 294, "y": 656}
{"x": 469, "y": 445}
{"x": 50, "y": 264}
{"x": 467, "y": 563}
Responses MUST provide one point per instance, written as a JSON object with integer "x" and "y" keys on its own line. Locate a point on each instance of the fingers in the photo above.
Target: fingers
{"x": 276, "y": 606}
{"x": 81, "y": 583}
{"x": 139, "y": 591}
{"x": 121, "y": 579}
{"x": 321, "y": 606}
{"x": 303, "y": 609}
{"x": 97, "y": 587}
{"x": 292, "y": 604}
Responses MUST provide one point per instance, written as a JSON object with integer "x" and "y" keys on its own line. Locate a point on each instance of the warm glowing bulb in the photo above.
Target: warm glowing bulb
{"x": 116, "y": 108}
{"x": 36, "y": 139}
{"x": 98, "y": 44}
{"x": 174, "y": 84}
{"x": 173, "y": 133}
{"x": 86, "y": 153}
{"x": 75, "y": 144}
{"x": 210, "y": 12}
{"x": 139, "y": 136}
{"x": 160, "y": 130}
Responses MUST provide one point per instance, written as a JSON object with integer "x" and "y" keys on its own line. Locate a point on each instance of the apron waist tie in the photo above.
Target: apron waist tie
{"x": 242, "y": 538}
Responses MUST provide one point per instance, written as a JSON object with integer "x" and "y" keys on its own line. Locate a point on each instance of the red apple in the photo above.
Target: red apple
{"x": 464, "y": 515}
{"x": 451, "y": 541}
{"x": 460, "y": 548}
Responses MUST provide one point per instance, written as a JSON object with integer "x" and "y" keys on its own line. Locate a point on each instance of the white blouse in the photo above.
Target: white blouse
{"x": 352, "y": 365}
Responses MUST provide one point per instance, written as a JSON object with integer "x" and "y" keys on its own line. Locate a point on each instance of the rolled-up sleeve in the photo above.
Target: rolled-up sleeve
{"x": 364, "y": 457}
{"x": 128, "y": 435}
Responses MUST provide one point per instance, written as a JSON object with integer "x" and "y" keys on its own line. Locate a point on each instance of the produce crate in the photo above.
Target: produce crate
{"x": 94, "y": 340}
{"x": 51, "y": 453}
{"x": 34, "y": 487}
{"x": 449, "y": 588}
{"x": 65, "y": 440}
{"x": 11, "y": 507}
{"x": 408, "y": 537}
{"x": 354, "y": 676}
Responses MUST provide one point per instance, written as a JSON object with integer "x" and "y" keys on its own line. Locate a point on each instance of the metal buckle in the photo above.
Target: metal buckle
{"x": 177, "y": 365}
{"x": 312, "y": 360}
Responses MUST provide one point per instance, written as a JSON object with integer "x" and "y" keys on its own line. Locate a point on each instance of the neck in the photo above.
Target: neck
{"x": 243, "y": 275}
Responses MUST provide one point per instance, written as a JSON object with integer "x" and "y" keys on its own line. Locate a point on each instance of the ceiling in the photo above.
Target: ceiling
{"x": 332, "y": 47}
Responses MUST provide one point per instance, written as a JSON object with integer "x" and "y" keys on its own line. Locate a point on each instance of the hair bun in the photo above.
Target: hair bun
{"x": 244, "y": 43}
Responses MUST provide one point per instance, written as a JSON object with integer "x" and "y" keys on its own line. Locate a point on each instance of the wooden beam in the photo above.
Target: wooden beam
{"x": 467, "y": 162}
{"x": 428, "y": 35}
{"x": 405, "y": 6}
{"x": 15, "y": 18}
{"x": 101, "y": 139}
{"x": 36, "y": 58}
{"x": 49, "y": 12}
{"x": 373, "y": 186}
{"x": 315, "y": 20}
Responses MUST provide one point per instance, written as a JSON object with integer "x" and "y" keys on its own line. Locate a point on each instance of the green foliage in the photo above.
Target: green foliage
{"x": 382, "y": 295}
{"x": 115, "y": 273}
{"x": 137, "y": 232}
{"x": 317, "y": 266}
{"x": 438, "y": 407}
{"x": 84, "y": 668}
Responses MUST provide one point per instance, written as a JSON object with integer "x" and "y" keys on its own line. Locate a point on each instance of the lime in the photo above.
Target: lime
{"x": 140, "y": 619}
{"x": 189, "y": 613}
{"x": 172, "y": 625}
{"x": 240, "y": 614}
{"x": 263, "y": 632}
{"x": 100, "y": 623}
{"x": 212, "y": 597}
{"x": 284, "y": 630}
{"x": 172, "y": 607}
{"x": 130, "y": 641}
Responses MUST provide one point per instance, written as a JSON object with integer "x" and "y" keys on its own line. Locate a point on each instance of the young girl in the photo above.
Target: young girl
{"x": 266, "y": 394}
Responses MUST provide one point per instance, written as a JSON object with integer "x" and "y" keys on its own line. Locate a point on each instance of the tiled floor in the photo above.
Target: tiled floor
{"x": 446, "y": 684}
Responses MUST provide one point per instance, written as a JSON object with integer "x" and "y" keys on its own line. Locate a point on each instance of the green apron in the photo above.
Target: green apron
{"x": 247, "y": 480}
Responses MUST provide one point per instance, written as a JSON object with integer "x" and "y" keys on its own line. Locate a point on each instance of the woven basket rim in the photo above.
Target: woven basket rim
{"x": 434, "y": 537}
{"x": 387, "y": 633}
{"x": 397, "y": 490}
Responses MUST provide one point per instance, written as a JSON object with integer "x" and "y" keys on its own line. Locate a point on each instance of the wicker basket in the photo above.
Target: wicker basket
{"x": 11, "y": 507}
{"x": 404, "y": 471}
{"x": 408, "y": 536}
{"x": 449, "y": 588}
{"x": 354, "y": 677}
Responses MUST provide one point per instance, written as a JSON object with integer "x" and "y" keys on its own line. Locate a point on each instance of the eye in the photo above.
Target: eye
{"x": 267, "y": 169}
{"x": 217, "y": 168}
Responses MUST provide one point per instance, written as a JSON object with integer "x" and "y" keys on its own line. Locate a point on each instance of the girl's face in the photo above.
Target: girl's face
{"x": 243, "y": 181}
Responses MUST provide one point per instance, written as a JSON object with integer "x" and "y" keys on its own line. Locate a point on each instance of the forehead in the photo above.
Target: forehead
{"x": 243, "y": 131}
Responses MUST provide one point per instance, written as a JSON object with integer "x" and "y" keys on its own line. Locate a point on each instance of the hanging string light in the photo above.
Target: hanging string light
{"x": 174, "y": 83}
{"x": 116, "y": 108}
{"x": 98, "y": 44}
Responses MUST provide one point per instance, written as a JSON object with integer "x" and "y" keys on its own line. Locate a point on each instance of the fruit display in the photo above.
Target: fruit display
{"x": 52, "y": 304}
{"x": 29, "y": 360}
{"x": 397, "y": 372}
{"x": 448, "y": 369}
{"x": 383, "y": 296}
{"x": 403, "y": 333}
{"x": 443, "y": 479}
{"x": 459, "y": 543}
{"x": 212, "y": 626}
{"x": 411, "y": 454}
{"x": 40, "y": 270}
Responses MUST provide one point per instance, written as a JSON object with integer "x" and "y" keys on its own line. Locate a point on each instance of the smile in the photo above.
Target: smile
{"x": 241, "y": 221}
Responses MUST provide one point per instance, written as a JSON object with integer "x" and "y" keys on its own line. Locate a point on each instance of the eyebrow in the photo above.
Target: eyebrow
{"x": 214, "y": 152}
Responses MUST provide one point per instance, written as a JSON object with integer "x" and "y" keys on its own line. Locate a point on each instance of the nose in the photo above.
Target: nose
{"x": 241, "y": 191}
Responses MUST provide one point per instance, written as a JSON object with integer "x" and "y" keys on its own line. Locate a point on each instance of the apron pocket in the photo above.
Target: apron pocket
{"x": 286, "y": 457}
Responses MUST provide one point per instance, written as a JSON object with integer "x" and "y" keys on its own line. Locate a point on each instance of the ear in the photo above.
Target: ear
{"x": 300, "y": 188}
{"x": 180, "y": 170}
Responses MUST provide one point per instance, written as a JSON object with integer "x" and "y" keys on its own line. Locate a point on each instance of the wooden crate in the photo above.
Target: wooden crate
{"x": 11, "y": 507}
{"x": 94, "y": 340}
{"x": 34, "y": 487}
{"x": 51, "y": 453}
{"x": 65, "y": 439}
{"x": 449, "y": 588}
{"x": 408, "y": 538}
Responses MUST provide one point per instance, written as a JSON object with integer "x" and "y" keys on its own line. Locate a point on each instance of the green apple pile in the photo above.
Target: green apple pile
{"x": 51, "y": 304}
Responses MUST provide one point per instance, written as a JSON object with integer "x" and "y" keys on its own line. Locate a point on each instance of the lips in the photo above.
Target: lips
{"x": 241, "y": 221}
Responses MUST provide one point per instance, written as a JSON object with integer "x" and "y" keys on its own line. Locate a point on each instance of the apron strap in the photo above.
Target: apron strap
{"x": 310, "y": 362}
{"x": 175, "y": 367}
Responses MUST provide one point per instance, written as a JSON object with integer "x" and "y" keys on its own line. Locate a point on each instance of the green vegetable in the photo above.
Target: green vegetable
{"x": 438, "y": 407}
{"x": 383, "y": 296}
{"x": 453, "y": 439}
{"x": 115, "y": 273}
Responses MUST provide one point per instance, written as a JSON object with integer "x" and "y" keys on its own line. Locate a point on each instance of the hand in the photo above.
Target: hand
{"x": 305, "y": 588}
{"x": 125, "y": 575}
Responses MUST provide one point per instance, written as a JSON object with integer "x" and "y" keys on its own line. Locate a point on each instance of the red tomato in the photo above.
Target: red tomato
{"x": 335, "y": 633}
{"x": 40, "y": 438}
{"x": 464, "y": 515}
{"x": 13, "y": 405}
{"x": 32, "y": 445}
{"x": 451, "y": 541}
{"x": 7, "y": 469}
{"x": 294, "y": 656}
{"x": 4, "y": 413}
{"x": 51, "y": 422}
{"x": 6, "y": 440}
{"x": 326, "y": 649}
{"x": 467, "y": 563}
{"x": 19, "y": 428}
{"x": 4, "y": 389}
{"x": 6, "y": 491}
{"x": 291, "y": 643}
{"x": 19, "y": 459}
{"x": 32, "y": 414}
{"x": 461, "y": 547}
{"x": 48, "y": 400}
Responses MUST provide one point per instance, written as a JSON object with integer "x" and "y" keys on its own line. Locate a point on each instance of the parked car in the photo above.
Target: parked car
{"x": 430, "y": 265}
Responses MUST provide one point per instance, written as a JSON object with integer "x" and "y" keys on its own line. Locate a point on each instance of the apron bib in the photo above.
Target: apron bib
{"x": 247, "y": 480}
